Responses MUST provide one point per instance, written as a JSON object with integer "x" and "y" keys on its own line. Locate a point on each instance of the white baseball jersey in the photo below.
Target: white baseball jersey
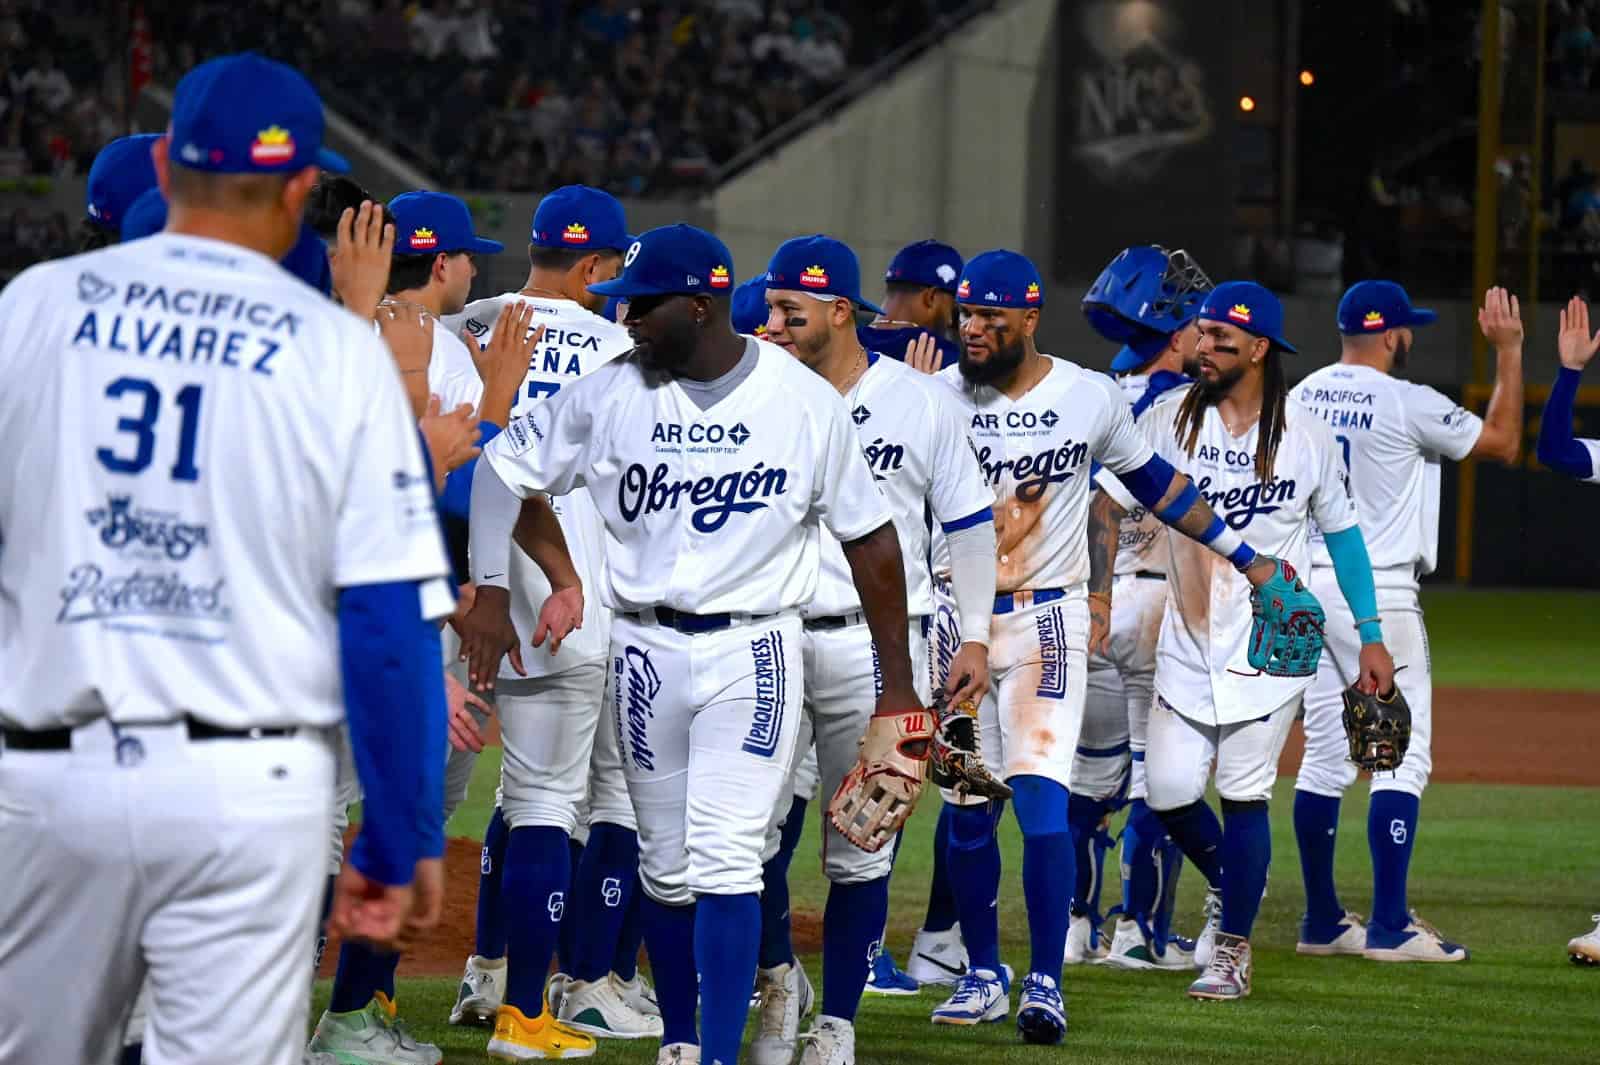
{"x": 1594, "y": 459}
{"x": 576, "y": 342}
{"x": 452, "y": 375}
{"x": 915, "y": 441}
{"x": 1391, "y": 435}
{"x": 1035, "y": 453}
{"x": 205, "y": 451}
{"x": 1201, "y": 667}
{"x": 1141, "y": 546}
{"x": 706, "y": 511}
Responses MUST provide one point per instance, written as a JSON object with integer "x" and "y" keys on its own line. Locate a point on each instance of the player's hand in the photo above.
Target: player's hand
{"x": 1500, "y": 318}
{"x": 362, "y": 253}
{"x": 504, "y": 361}
{"x": 465, "y": 734}
{"x": 1376, "y": 670}
{"x": 1261, "y": 570}
{"x": 405, "y": 328}
{"x": 465, "y": 595}
{"x": 368, "y": 911}
{"x": 1099, "y": 623}
{"x": 562, "y": 612}
{"x": 487, "y": 635}
{"x": 452, "y": 438}
{"x": 1574, "y": 343}
{"x": 922, "y": 354}
{"x": 969, "y": 674}
{"x": 427, "y": 885}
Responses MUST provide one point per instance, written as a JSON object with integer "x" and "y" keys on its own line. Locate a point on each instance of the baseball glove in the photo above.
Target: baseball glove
{"x": 881, "y": 790}
{"x": 1378, "y": 728}
{"x": 956, "y": 763}
{"x": 1285, "y": 625}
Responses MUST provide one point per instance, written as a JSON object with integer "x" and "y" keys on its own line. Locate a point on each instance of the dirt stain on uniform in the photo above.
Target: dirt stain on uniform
{"x": 1018, "y": 538}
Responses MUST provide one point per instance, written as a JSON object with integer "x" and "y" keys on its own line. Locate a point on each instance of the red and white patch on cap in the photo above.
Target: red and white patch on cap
{"x": 1373, "y": 320}
{"x": 1239, "y": 313}
{"x": 720, "y": 278}
{"x": 1032, "y": 295}
{"x": 423, "y": 239}
{"x": 272, "y": 147}
{"x": 814, "y": 277}
{"x": 964, "y": 289}
{"x": 576, "y": 233}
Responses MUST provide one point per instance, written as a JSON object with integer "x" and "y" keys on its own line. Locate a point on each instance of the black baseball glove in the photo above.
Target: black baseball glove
{"x": 1378, "y": 728}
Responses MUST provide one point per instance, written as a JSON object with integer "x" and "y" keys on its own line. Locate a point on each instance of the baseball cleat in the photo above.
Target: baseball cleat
{"x": 678, "y": 1054}
{"x": 639, "y": 994}
{"x": 1085, "y": 944}
{"x": 516, "y": 1038}
{"x": 831, "y": 1041}
{"x": 483, "y": 989}
{"x": 1041, "y": 1013}
{"x": 884, "y": 977}
{"x": 308, "y": 1058}
{"x": 786, "y": 996}
{"x": 1348, "y": 936}
{"x": 370, "y": 1036}
{"x": 1208, "y": 934}
{"x": 937, "y": 958}
{"x": 1132, "y": 949}
{"x": 1585, "y": 949}
{"x": 554, "y": 989}
{"x": 980, "y": 996}
{"x": 1227, "y": 977}
{"x": 598, "y": 1008}
{"x": 1418, "y": 941}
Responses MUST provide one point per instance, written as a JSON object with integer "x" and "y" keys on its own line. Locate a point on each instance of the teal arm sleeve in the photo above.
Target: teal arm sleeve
{"x": 1354, "y": 570}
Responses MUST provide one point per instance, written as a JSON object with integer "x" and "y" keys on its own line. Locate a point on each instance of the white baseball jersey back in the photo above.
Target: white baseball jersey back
{"x": 204, "y": 452}
{"x": 915, "y": 441}
{"x": 706, "y": 511}
{"x": 452, "y": 375}
{"x": 1391, "y": 435}
{"x": 576, "y": 342}
{"x": 1035, "y": 453}
{"x": 1201, "y": 666}
{"x": 1594, "y": 458}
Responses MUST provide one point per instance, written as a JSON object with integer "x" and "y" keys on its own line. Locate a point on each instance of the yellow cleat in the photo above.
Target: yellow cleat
{"x": 516, "y": 1038}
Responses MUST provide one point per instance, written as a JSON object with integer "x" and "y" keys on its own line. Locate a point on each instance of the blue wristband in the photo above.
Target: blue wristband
{"x": 1243, "y": 556}
{"x": 1174, "y": 511}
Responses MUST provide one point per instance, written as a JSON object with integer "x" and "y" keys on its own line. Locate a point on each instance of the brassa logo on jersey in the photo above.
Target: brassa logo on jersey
{"x": 1240, "y": 504}
{"x": 142, "y": 532}
{"x": 1035, "y": 473}
{"x": 637, "y": 684}
{"x": 714, "y": 499}
{"x": 771, "y": 673}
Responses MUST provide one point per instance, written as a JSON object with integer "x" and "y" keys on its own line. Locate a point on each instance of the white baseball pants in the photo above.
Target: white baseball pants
{"x": 1121, "y": 686}
{"x": 1180, "y": 755}
{"x": 1030, "y": 718}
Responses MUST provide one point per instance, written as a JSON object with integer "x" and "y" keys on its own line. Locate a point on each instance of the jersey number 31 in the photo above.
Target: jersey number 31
{"x": 141, "y": 426}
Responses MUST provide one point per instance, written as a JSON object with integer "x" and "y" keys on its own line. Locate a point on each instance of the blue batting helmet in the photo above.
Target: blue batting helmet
{"x": 1145, "y": 287}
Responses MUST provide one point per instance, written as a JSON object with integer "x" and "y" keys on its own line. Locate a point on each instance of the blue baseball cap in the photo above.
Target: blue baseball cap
{"x": 927, "y": 262}
{"x": 246, "y": 114}
{"x": 146, "y": 215}
{"x": 429, "y": 222}
{"x": 308, "y": 260}
{"x": 1373, "y": 306}
{"x": 120, "y": 174}
{"x": 819, "y": 265}
{"x": 749, "y": 307}
{"x": 1250, "y": 307}
{"x": 675, "y": 260}
{"x": 577, "y": 216}
{"x": 1000, "y": 278}
{"x": 1143, "y": 344}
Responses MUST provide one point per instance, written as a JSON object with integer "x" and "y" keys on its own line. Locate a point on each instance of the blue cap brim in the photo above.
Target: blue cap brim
{"x": 873, "y": 307}
{"x": 485, "y": 246}
{"x": 627, "y": 290}
{"x": 1127, "y": 360}
{"x": 1422, "y": 316}
{"x": 332, "y": 161}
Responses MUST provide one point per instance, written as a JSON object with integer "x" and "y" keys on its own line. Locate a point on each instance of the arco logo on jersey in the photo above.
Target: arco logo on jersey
{"x": 1037, "y": 421}
{"x": 1034, "y": 474}
{"x": 700, "y": 435}
{"x": 884, "y": 458}
{"x": 1240, "y": 504}
{"x": 642, "y": 492}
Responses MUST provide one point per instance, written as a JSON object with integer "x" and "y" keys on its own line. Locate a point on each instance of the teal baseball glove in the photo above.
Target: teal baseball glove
{"x": 1285, "y": 625}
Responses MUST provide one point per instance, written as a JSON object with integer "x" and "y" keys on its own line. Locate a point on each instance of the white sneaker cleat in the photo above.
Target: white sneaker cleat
{"x": 554, "y": 989}
{"x": 1585, "y": 949}
{"x": 483, "y": 989}
{"x": 639, "y": 994}
{"x": 1084, "y": 944}
{"x": 678, "y": 1054}
{"x": 786, "y": 996}
{"x": 1349, "y": 938}
{"x": 937, "y": 958}
{"x": 1132, "y": 949}
{"x": 308, "y": 1058}
{"x": 1041, "y": 1012}
{"x": 1208, "y": 934}
{"x": 979, "y": 997}
{"x": 1227, "y": 977}
{"x": 1418, "y": 941}
{"x": 831, "y": 1041}
{"x": 596, "y": 1007}
{"x": 369, "y": 1037}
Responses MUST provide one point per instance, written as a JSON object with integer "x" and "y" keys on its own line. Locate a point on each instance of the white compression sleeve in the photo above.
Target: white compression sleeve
{"x": 972, "y": 577}
{"x": 490, "y": 521}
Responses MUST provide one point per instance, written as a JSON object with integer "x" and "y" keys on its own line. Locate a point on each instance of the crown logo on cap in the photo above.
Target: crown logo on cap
{"x": 1373, "y": 320}
{"x": 272, "y": 145}
{"x": 576, "y": 233}
{"x": 1239, "y": 313}
{"x": 964, "y": 289}
{"x": 814, "y": 277}
{"x": 720, "y": 277}
{"x": 1032, "y": 295}
{"x": 423, "y": 239}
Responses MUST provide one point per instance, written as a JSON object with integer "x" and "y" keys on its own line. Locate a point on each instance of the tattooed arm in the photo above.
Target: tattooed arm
{"x": 1105, "y": 518}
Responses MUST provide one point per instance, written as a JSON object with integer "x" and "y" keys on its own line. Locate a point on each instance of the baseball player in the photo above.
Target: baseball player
{"x": 915, "y": 442}
{"x": 1565, "y": 453}
{"x": 171, "y": 701}
{"x": 1145, "y": 299}
{"x": 1267, "y": 464}
{"x": 551, "y": 708}
{"x": 1037, "y": 422}
{"x": 712, "y": 458}
{"x": 122, "y": 173}
{"x": 918, "y": 317}
{"x": 1391, "y": 436}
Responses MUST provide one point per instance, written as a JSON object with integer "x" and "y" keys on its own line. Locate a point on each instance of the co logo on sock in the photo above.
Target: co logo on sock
{"x": 486, "y": 863}
{"x": 1397, "y": 832}
{"x": 611, "y": 891}
{"x": 557, "y": 905}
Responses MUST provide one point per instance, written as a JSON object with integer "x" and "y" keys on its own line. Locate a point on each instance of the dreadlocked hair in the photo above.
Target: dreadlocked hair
{"x": 1274, "y": 394}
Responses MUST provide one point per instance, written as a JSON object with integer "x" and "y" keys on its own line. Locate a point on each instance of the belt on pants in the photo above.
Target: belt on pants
{"x": 836, "y": 621}
{"x": 60, "y": 739}
{"x": 1149, "y": 575}
{"x": 1006, "y": 602}
{"x": 689, "y": 624}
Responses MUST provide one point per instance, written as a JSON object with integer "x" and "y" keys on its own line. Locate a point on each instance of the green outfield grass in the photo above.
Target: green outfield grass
{"x": 1513, "y": 638}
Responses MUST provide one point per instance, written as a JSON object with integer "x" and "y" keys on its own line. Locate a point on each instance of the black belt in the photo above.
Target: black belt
{"x": 689, "y": 624}
{"x": 60, "y": 739}
{"x": 835, "y": 621}
{"x": 1149, "y": 575}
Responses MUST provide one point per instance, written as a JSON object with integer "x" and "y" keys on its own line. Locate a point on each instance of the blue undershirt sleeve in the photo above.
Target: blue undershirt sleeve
{"x": 1353, "y": 568}
{"x": 1557, "y": 447}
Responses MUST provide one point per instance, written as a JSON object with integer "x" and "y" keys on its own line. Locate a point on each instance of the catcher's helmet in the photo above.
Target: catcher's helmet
{"x": 1145, "y": 287}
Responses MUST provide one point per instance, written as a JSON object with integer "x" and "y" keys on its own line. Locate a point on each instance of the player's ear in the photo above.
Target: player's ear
{"x": 158, "y": 156}
{"x": 1030, "y": 321}
{"x": 298, "y": 189}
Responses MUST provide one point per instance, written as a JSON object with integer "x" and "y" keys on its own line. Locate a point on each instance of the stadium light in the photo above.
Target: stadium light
{"x": 1307, "y": 78}
{"x": 1247, "y": 103}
